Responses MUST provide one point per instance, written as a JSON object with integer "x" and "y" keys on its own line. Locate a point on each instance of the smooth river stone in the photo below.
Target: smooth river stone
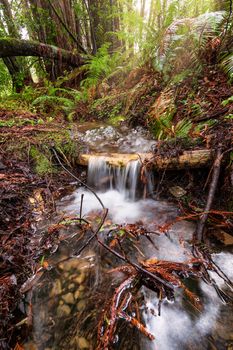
{"x": 68, "y": 298}
{"x": 63, "y": 310}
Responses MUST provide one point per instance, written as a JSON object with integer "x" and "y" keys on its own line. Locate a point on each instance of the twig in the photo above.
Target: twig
{"x": 76, "y": 178}
{"x": 136, "y": 266}
{"x": 81, "y": 207}
{"x": 216, "y": 171}
{"x": 95, "y": 233}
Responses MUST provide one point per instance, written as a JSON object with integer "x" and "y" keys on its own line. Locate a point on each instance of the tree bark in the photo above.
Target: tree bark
{"x": 17, "y": 67}
{"x": 14, "y": 47}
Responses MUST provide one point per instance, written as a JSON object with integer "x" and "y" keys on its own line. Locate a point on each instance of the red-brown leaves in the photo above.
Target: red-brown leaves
{"x": 124, "y": 296}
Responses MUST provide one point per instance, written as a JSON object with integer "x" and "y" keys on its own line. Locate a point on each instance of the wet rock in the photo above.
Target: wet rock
{"x": 80, "y": 279}
{"x": 68, "y": 298}
{"x": 177, "y": 191}
{"x": 81, "y": 305}
{"x": 71, "y": 286}
{"x": 30, "y": 346}
{"x": 69, "y": 265}
{"x": 82, "y": 343}
{"x": 57, "y": 288}
{"x": 78, "y": 294}
{"x": 227, "y": 239}
{"x": 63, "y": 310}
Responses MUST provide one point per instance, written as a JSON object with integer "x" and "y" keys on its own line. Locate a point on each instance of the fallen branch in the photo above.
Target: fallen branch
{"x": 216, "y": 171}
{"x": 189, "y": 159}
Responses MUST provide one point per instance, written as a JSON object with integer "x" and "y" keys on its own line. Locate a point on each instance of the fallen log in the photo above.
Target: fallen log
{"x": 189, "y": 159}
{"x": 15, "y": 47}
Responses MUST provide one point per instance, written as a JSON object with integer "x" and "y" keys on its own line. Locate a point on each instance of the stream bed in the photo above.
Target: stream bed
{"x": 68, "y": 299}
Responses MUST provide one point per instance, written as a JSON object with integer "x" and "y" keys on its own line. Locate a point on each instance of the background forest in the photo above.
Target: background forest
{"x": 101, "y": 35}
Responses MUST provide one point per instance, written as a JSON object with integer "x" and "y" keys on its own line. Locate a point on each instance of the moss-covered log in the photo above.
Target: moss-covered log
{"x": 189, "y": 159}
{"x": 10, "y": 47}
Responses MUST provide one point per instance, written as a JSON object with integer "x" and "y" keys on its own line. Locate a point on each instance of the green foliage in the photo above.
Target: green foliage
{"x": 116, "y": 119}
{"x": 185, "y": 44}
{"x": 162, "y": 125}
{"x": 203, "y": 125}
{"x": 227, "y": 101}
{"x": 19, "y": 122}
{"x": 5, "y": 80}
{"x": 99, "y": 66}
{"x": 43, "y": 165}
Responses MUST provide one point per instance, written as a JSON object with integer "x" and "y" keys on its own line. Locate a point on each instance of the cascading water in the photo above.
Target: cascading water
{"x": 122, "y": 191}
{"x": 125, "y": 180}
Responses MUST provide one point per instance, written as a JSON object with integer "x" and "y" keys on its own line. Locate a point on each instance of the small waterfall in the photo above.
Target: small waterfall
{"x": 126, "y": 180}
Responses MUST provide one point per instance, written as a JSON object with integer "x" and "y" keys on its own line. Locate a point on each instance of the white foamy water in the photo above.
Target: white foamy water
{"x": 119, "y": 190}
{"x": 122, "y": 140}
{"x": 177, "y": 327}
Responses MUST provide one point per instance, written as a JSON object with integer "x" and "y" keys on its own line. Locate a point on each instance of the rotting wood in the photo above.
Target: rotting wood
{"x": 189, "y": 159}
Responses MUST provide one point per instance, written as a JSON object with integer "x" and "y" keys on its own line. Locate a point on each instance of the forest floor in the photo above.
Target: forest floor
{"x": 31, "y": 181}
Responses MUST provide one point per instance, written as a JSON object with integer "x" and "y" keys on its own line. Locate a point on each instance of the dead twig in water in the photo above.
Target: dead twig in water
{"x": 216, "y": 171}
{"x": 76, "y": 178}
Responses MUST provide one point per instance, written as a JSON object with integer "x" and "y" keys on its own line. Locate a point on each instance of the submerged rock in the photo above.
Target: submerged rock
{"x": 81, "y": 305}
{"x": 177, "y": 191}
{"x": 68, "y": 298}
{"x": 82, "y": 343}
{"x": 63, "y": 310}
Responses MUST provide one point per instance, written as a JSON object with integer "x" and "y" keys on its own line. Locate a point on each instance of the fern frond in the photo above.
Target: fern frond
{"x": 227, "y": 64}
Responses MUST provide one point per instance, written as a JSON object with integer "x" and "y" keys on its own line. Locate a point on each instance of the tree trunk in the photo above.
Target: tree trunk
{"x": 14, "y": 47}
{"x": 17, "y": 68}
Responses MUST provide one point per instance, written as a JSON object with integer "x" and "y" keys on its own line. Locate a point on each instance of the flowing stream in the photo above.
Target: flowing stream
{"x": 69, "y": 298}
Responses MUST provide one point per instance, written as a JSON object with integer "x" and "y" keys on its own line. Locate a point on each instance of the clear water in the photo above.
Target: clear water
{"x": 179, "y": 327}
{"x": 99, "y": 138}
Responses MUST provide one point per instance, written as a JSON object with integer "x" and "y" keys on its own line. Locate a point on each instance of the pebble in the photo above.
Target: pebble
{"x": 68, "y": 298}
{"x": 81, "y": 305}
{"x": 77, "y": 294}
{"x": 82, "y": 343}
{"x": 63, "y": 310}
{"x": 177, "y": 191}
{"x": 69, "y": 265}
{"x": 71, "y": 286}
{"x": 57, "y": 288}
{"x": 80, "y": 279}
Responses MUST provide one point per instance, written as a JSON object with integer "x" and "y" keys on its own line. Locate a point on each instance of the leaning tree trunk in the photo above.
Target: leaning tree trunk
{"x": 14, "y": 47}
{"x": 17, "y": 67}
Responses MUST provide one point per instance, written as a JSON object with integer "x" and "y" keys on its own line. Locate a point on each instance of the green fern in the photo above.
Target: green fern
{"x": 227, "y": 64}
{"x": 99, "y": 66}
{"x": 183, "y": 128}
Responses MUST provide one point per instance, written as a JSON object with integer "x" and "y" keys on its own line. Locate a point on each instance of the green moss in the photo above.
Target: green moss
{"x": 43, "y": 164}
{"x": 116, "y": 120}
